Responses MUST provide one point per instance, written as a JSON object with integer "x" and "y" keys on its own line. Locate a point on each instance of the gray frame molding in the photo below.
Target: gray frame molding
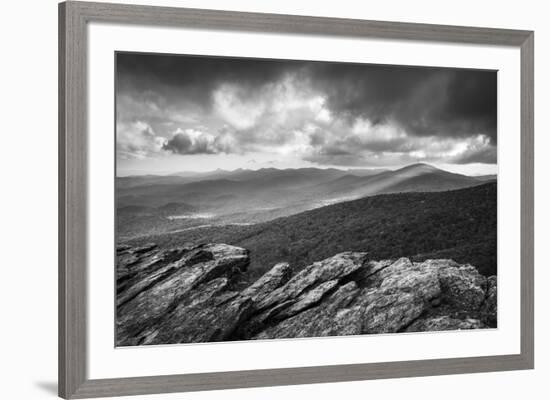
{"x": 73, "y": 19}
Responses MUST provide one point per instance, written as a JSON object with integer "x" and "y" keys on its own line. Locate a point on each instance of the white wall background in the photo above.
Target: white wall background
{"x": 28, "y": 220}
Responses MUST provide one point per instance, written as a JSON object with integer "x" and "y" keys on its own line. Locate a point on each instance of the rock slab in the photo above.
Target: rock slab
{"x": 200, "y": 294}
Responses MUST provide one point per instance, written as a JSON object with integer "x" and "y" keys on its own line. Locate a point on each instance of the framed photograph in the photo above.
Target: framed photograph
{"x": 254, "y": 200}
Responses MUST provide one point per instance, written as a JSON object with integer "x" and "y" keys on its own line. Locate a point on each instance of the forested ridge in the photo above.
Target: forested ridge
{"x": 458, "y": 224}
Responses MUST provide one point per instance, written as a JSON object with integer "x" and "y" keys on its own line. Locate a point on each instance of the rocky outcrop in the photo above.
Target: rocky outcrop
{"x": 200, "y": 294}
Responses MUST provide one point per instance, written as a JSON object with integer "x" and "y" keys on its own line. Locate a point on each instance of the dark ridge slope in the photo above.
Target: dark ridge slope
{"x": 459, "y": 224}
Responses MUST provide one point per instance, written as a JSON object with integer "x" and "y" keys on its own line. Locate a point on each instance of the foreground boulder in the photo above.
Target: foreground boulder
{"x": 200, "y": 294}
{"x": 149, "y": 301}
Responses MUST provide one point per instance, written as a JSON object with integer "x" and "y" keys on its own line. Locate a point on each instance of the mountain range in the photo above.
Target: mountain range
{"x": 252, "y": 196}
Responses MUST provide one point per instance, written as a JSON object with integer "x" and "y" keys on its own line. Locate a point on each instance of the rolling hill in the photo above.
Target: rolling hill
{"x": 413, "y": 178}
{"x": 251, "y": 196}
{"x": 458, "y": 224}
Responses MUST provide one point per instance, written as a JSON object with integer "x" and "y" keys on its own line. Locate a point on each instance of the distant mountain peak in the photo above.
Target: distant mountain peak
{"x": 421, "y": 166}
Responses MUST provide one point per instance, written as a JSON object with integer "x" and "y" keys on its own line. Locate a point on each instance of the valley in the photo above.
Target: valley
{"x": 160, "y": 204}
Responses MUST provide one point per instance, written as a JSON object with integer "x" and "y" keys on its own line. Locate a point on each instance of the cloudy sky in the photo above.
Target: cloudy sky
{"x": 188, "y": 113}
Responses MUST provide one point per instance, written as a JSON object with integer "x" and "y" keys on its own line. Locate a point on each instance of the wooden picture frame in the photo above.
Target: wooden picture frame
{"x": 73, "y": 172}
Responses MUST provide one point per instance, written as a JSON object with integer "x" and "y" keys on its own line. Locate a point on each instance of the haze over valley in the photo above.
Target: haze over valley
{"x": 160, "y": 204}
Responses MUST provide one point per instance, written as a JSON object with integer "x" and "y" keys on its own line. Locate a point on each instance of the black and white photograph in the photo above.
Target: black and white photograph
{"x": 266, "y": 199}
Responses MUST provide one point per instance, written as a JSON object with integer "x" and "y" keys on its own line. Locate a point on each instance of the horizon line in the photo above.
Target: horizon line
{"x": 391, "y": 168}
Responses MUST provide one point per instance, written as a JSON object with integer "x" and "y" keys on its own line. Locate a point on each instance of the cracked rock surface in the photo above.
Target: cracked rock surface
{"x": 200, "y": 294}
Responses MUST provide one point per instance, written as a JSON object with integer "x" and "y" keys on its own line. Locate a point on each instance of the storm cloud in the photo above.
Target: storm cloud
{"x": 319, "y": 112}
{"x": 424, "y": 101}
